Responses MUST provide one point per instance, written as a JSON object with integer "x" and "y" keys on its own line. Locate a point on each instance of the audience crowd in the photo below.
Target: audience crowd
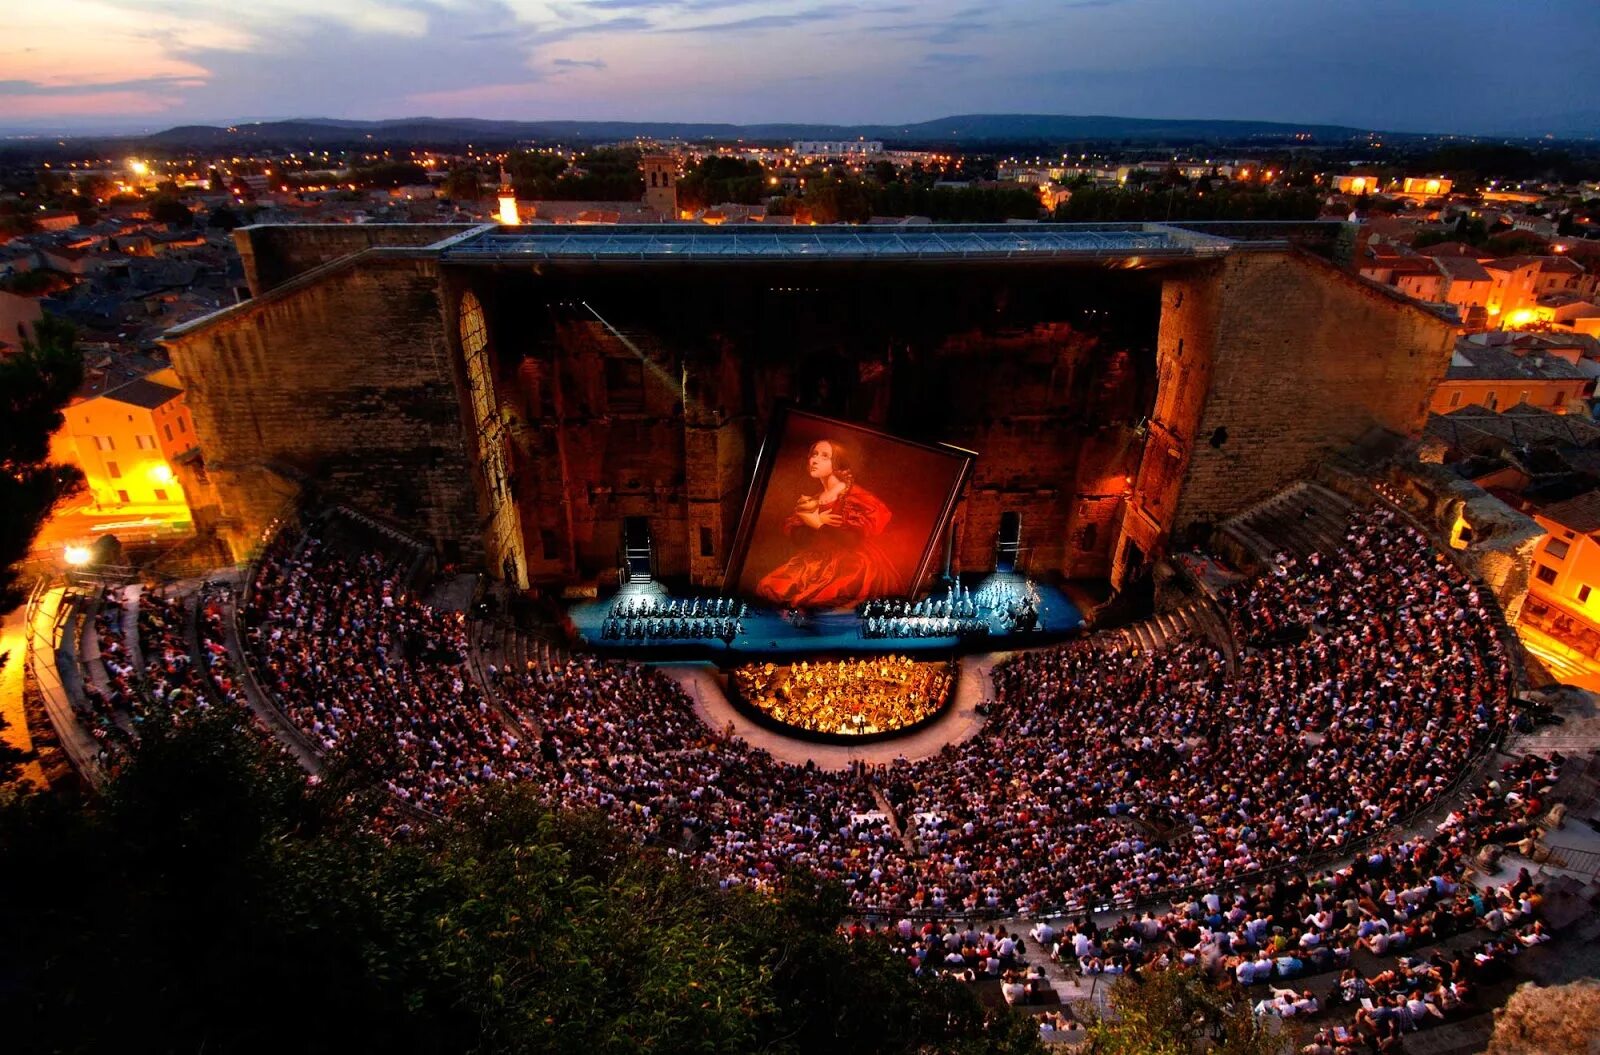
{"x": 360, "y": 665}
{"x": 1364, "y": 682}
{"x": 1367, "y": 680}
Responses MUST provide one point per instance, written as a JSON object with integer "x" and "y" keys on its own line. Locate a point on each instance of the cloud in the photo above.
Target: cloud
{"x": 535, "y": 35}
{"x": 758, "y": 23}
{"x": 578, "y": 64}
{"x": 949, "y": 58}
{"x": 12, "y": 89}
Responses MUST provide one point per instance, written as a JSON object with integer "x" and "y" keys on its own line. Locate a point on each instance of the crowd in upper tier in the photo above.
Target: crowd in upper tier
{"x": 1365, "y": 681}
{"x": 360, "y": 665}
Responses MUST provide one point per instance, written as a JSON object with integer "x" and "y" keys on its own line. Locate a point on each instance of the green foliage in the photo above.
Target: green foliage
{"x": 216, "y": 902}
{"x": 956, "y": 204}
{"x": 34, "y": 385}
{"x": 224, "y": 218}
{"x": 36, "y": 282}
{"x": 836, "y": 199}
{"x": 169, "y": 210}
{"x": 463, "y": 184}
{"x": 17, "y": 223}
{"x": 720, "y": 180}
{"x": 387, "y": 174}
{"x": 1515, "y": 243}
{"x": 600, "y": 175}
{"x": 1102, "y": 204}
{"x": 1178, "y": 1011}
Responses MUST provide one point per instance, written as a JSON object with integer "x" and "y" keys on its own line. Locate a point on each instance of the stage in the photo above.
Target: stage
{"x": 769, "y": 633}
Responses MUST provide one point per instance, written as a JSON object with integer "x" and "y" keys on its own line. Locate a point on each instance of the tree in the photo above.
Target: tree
{"x": 1178, "y": 1011}
{"x": 215, "y": 901}
{"x": 223, "y": 218}
{"x": 462, "y": 185}
{"x": 34, "y": 387}
{"x": 170, "y": 211}
{"x": 837, "y": 199}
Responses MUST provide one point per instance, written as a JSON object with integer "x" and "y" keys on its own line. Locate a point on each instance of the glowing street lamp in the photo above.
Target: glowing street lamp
{"x": 77, "y": 556}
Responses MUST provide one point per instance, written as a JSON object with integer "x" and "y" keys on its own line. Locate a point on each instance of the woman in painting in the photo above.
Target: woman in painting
{"x": 837, "y": 564}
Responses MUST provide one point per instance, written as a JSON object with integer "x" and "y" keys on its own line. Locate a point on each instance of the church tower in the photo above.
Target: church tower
{"x": 508, "y": 200}
{"x": 661, "y": 184}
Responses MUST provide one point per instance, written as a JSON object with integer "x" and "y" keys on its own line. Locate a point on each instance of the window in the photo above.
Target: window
{"x": 161, "y": 496}
{"x": 625, "y": 385}
{"x": 113, "y": 470}
{"x": 168, "y": 429}
{"x": 145, "y": 443}
{"x": 706, "y": 547}
{"x": 1557, "y": 549}
{"x": 183, "y": 423}
{"x": 1524, "y": 397}
{"x": 1561, "y": 397}
{"x": 1455, "y": 399}
{"x": 122, "y": 496}
{"x": 1583, "y": 593}
{"x": 1545, "y": 574}
{"x": 1490, "y": 400}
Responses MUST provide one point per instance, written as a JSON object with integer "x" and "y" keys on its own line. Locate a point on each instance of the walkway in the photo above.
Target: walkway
{"x": 13, "y": 654}
{"x": 960, "y": 721}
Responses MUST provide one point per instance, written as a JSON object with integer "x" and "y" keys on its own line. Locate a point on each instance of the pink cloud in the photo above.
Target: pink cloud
{"x": 86, "y": 104}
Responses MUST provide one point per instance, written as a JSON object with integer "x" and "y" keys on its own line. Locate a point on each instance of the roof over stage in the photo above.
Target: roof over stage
{"x": 1132, "y": 243}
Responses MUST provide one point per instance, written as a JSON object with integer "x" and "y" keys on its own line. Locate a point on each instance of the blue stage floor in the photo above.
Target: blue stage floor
{"x": 767, "y": 633}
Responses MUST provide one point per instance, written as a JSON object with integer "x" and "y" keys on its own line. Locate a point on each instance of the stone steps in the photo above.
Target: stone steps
{"x": 1300, "y": 520}
{"x": 1164, "y": 628}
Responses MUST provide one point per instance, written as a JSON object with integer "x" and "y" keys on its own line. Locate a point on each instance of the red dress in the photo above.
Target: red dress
{"x": 836, "y": 567}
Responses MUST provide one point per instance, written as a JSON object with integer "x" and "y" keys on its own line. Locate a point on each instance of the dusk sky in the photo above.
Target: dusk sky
{"x": 1408, "y": 65}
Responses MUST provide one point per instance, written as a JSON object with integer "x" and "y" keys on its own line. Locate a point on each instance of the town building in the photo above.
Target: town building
{"x": 1551, "y": 377}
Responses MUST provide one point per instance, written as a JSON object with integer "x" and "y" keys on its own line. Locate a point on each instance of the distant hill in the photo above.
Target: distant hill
{"x": 967, "y": 129}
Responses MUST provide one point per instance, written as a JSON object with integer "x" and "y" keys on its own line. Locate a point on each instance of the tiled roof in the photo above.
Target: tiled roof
{"x": 144, "y": 393}
{"x": 1495, "y": 363}
{"x": 1462, "y": 268}
{"x": 1479, "y": 428}
{"x": 1581, "y": 513}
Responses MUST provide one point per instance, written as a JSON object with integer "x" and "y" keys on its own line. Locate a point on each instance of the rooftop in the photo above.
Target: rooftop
{"x": 931, "y": 242}
{"x": 1498, "y": 363}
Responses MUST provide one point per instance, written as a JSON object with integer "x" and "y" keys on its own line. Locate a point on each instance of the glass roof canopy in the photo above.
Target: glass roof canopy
{"x": 661, "y": 242}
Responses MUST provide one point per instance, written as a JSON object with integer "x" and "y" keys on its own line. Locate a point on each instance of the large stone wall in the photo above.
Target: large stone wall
{"x": 272, "y": 254}
{"x": 342, "y": 384}
{"x": 1306, "y": 359}
{"x": 351, "y": 380}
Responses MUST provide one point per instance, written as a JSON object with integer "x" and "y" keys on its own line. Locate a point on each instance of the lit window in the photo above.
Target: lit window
{"x": 1545, "y": 574}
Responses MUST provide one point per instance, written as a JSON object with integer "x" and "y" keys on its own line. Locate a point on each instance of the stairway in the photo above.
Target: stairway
{"x": 1183, "y": 623}
{"x": 1302, "y": 519}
